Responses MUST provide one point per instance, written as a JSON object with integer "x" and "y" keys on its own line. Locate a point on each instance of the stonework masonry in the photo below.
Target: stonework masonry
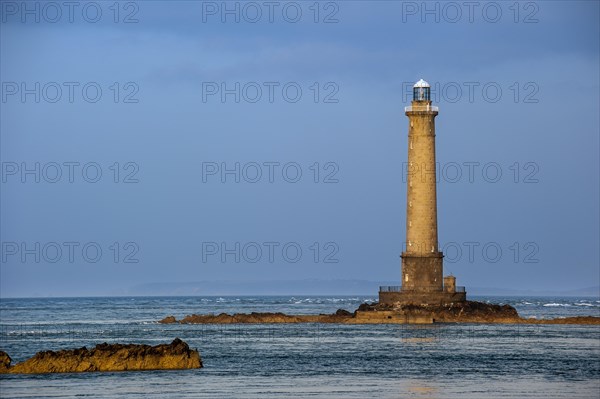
{"x": 422, "y": 275}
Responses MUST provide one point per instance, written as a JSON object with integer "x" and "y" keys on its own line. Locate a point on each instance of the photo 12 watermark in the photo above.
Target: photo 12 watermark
{"x": 269, "y": 252}
{"x": 414, "y": 334}
{"x": 252, "y": 92}
{"x": 270, "y": 172}
{"x": 62, "y": 333}
{"x": 68, "y": 252}
{"x": 470, "y": 172}
{"x": 480, "y": 251}
{"x": 453, "y": 12}
{"x": 69, "y": 172}
{"x": 272, "y": 334}
{"x": 54, "y": 12}
{"x": 69, "y": 92}
{"x": 476, "y": 91}
{"x": 253, "y": 12}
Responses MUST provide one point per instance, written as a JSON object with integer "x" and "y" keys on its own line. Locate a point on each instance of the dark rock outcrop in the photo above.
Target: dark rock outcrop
{"x": 364, "y": 307}
{"x": 265, "y": 318}
{"x": 168, "y": 320}
{"x": 110, "y": 357}
{"x": 4, "y": 362}
{"x": 343, "y": 312}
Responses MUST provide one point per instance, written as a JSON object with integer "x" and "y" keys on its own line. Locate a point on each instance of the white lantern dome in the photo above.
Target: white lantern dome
{"x": 421, "y": 83}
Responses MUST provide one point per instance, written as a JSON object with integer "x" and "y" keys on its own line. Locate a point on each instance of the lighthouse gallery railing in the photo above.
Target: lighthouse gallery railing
{"x": 422, "y": 108}
{"x": 398, "y": 288}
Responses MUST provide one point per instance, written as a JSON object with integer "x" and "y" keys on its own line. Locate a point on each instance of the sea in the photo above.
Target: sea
{"x": 307, "y": 360}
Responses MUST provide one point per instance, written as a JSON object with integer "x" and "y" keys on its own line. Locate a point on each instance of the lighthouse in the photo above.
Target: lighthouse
{"x": 422, "y": 272}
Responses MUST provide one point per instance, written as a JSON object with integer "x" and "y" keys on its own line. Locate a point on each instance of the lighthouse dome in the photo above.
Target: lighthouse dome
{"x": 421, "y": 91}
{"x": 421, "y": 83}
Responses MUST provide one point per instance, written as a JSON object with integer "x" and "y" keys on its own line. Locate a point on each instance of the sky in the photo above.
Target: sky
{"x": 167, "y": 142}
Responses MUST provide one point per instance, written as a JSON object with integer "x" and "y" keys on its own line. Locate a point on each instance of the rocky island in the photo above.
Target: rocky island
{"x": 460, "y": 312}
{"x": 107, "y": 357}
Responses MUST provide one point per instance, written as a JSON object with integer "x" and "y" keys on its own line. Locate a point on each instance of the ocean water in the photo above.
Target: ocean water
{"x": 307, "y": 360}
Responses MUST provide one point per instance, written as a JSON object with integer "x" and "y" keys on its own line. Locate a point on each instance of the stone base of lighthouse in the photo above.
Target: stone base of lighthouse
{"x": 439, "y": 298}
{"x": 422, "y": 283}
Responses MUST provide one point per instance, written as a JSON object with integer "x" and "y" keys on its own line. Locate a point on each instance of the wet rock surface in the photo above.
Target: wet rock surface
{"x": 266, "y": 318}
{"x": 565, "y": 320}
{"x": 168, "y": 320}
{"x": 108, "y": 357}
{"x": 460, "y": 312}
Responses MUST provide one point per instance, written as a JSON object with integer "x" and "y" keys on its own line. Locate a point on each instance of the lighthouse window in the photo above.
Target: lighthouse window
{"x": 421, "y": 94}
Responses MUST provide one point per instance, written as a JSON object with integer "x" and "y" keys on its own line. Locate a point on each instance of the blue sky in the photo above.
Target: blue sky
{"x": 532, "y": 117}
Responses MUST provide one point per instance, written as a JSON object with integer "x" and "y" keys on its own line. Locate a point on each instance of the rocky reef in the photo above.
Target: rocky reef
{"x": 459, "y": 312}
{"x": 107, "y": 357}
{"x": 340, "y": 316}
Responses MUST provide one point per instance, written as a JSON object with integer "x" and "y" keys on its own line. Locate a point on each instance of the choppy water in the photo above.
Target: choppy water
{"x": 308, "y": 360}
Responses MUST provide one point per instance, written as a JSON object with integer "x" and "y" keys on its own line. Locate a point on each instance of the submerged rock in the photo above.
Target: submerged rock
{"x": 109, "y": 357}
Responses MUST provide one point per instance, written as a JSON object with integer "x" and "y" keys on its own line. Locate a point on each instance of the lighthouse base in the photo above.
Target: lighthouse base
{"x": 420, "y": 298}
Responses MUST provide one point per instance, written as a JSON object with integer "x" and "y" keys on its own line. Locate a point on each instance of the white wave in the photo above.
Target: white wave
{"x": 556, "y": 304}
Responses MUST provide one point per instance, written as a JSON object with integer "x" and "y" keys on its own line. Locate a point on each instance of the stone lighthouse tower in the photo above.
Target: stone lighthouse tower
{"x": 422, "y": 261}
